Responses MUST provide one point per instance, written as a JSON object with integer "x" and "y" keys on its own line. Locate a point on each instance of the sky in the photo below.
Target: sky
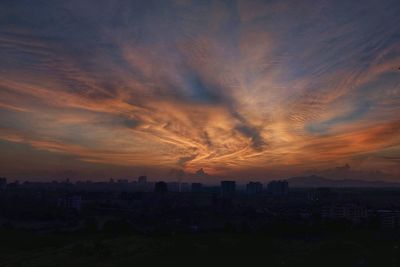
{"x": 240, "y": 89}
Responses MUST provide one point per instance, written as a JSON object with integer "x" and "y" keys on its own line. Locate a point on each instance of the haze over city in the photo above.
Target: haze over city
{"x": 238, "y": 89}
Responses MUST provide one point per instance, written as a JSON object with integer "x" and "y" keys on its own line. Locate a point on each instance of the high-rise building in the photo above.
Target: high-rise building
{"x": 142, "y": 184}
{"x": 254, "y": 187}
{"x": 160, "y": 187}
{"x": 70, "y": 202}
{"x": 173, "y": 187}
{"x": 351, "y": 212}
{"x": 142, "y": 179}
{"x": 278, "y": 188}
{"x": 228, "y": 188}
{"x": 184, "y": 187}
{"x": 197, "y": 187}
{"x": 3, "y": 182}
{"x": 318, "y": 194}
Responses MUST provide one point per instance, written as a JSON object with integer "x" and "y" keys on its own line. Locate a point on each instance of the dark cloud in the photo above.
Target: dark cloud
{"x": 200, "y": 173}
{"x": 254, "y": 134}
{"x": 207, "y": 139}
{"x": 131, "y": 123}
{"x": 183, "y": 160}
{"x": 200, "y": 91}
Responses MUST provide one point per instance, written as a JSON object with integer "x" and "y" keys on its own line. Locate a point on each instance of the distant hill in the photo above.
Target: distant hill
{"x": 346, "y": 172}
{"x": 317, "y": 181}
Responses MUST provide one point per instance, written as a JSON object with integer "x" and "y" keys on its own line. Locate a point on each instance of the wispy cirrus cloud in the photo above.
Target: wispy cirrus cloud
{"x": 228, "y": 87}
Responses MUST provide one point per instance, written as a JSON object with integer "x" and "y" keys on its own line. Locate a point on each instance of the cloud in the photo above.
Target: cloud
{"x": 183, "y": 160}
{"x": 222, "y": 86}
{"x": 257, "y": 141}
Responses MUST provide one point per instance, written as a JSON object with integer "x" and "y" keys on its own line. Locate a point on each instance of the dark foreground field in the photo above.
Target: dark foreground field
{"x": 340, "y": 248}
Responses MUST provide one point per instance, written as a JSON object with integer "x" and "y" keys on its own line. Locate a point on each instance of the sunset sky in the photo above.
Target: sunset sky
{"x": 95, "y": 89}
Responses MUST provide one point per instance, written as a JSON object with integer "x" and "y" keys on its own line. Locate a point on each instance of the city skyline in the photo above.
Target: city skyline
{"x": 237, "y": 89}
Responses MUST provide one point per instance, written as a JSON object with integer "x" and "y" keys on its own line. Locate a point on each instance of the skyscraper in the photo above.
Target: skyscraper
{"x": 228, "y": 188}
{"x": 197, "y": 187}
{"x": 142, "y": 179}
{"x": 161, "y": 187}
{"x": 254, "y": 187}
{"x": 278, "y": 188}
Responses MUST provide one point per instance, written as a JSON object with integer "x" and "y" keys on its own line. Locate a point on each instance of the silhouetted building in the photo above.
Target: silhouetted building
{"x": 185, "y": 187}
{"x": 389, "y": 219}
{"x": 319, "y": 193}
{"x": 197, "y": 187}
{"x": 13, "y": 185}
{"x": 142, "y": 179}
{"x": 254, "y": 187}
{"x": 3, "y": 182}
{"x": 350, "y": 212}
{"x": 161, "y": 187}
{"x": 228, "y": 188}
{"x": 173, "y": 187}
{"x": 278, "y": 188}
{"x": 142, "y": 185}
{"x": 70, "y": 202}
